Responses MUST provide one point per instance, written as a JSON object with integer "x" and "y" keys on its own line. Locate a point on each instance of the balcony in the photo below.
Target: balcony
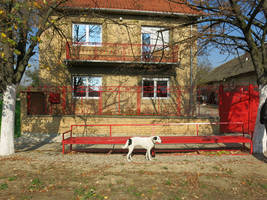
{"x": 122, "y": 53}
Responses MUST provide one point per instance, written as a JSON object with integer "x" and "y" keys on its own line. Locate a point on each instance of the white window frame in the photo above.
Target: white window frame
{"x": 87, "y": 86}
{"x": 154, "y": 30}
{"x": 155, "y": 87}
{"x": 87, "y": 43}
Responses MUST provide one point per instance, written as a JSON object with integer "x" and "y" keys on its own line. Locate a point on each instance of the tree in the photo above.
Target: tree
{"x": 22, "y": 22}
{"x": 234, "y": 26}
{"x": 203, "y": 69}
{"x": 33, "y": 76}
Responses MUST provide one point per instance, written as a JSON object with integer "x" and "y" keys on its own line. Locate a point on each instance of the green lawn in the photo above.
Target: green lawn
{"x": 17, "y": 120}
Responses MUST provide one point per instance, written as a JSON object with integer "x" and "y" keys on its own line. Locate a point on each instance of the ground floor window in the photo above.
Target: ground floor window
{"x": 155, "y": 87}
{"x": 86, "y": 86}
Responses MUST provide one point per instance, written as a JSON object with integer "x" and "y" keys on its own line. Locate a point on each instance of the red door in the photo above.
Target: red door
{"x": 238, "y": 105}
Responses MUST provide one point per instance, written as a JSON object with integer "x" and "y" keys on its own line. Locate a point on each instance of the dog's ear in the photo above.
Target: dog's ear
{"x": 155, "y": 138}
{"x": 130, "y": 142}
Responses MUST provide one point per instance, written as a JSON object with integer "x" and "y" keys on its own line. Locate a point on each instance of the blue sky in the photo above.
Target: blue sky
{"x": 216, "y": 59}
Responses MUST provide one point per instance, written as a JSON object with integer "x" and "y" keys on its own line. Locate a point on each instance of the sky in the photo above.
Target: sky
{"x": 216, "y": 59}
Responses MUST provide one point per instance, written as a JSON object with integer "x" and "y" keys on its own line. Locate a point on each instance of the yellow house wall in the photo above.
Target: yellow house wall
{"x": 47, "y": 124}
{"x": 59, "y": 125}
{"x": 127, "y": 31}
{"x": 53, "y": 71}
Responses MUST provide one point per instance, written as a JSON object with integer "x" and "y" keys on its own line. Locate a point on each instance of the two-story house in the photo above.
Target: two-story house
{"x": 113, "y": 61}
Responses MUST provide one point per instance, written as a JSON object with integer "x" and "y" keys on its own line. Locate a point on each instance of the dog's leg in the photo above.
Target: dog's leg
{"x": 129, "y": 155}
{"x": 148, "y": 153}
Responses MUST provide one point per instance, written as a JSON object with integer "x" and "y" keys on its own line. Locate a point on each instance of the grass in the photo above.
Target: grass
{"x": 84, "y": 194}
{"x": 168, "y": 182}
{"x": 134, "y": 191}
{"x": 264, "y": 186}
{"x": 12, "y": 178}
{"x": 3, "y": 186}
{"x": 35, "y": 185}
{"x": 17, "y": 118}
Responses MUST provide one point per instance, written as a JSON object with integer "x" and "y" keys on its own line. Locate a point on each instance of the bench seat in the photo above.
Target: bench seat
{"x": 95, "y": 140}
{"x": 165, "y": 140}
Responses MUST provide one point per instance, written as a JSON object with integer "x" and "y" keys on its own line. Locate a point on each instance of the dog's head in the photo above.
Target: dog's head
{"x": 156, "y": 139}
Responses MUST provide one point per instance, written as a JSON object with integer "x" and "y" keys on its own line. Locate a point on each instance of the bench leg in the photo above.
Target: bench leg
{"x": 63, "y": 148}
{"x": 70, "y": 147}
{"x": 251, "y": 147}
{"x": 153, "y": 154}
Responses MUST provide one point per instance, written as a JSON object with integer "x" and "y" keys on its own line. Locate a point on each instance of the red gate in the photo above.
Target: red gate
{"x": 238, "y": 105}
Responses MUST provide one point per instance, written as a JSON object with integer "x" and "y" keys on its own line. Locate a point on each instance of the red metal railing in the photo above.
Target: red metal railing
{"x": 121, "y": 52}
{"x": 108, "y": 100}
{"x": 135, "y": 100}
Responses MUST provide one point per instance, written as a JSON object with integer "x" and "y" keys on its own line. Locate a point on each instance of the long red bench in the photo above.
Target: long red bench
{"x": 165, "y": 140}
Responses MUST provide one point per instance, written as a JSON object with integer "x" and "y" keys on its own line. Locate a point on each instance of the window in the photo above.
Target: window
{"x": 87, "y": 34}
{"x": 153, "y": 38}
{"x": 155, "y": 87}
{"x": 86, "y": 86}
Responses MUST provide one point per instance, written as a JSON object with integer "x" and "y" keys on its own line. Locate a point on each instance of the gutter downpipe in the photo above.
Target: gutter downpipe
{"x": 191, "y": 76}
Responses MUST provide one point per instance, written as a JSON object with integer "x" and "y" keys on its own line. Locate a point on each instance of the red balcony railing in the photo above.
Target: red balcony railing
{"x": 115, "y": 52}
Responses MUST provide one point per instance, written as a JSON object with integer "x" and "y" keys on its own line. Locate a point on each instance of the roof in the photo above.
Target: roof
{"x": 160, "y": 6}
{"x": 232, "y": 68}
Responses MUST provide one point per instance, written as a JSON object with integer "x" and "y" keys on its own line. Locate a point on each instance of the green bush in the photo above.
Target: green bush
{"x": 17, "y": 118}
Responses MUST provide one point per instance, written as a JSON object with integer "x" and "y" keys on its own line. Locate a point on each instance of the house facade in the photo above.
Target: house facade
{"x": 113, "y": 62}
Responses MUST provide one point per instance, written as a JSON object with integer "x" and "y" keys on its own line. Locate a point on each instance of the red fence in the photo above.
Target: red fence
{"x": 239, "y": 104}
{"x": 107, "y": 100}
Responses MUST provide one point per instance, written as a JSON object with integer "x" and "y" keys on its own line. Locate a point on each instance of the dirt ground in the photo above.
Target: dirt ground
{"x": 207, "y": 110}
{"x": 42, "y": 172}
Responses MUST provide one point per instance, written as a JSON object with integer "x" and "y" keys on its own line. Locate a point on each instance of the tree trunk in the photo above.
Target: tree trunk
{"x": 8, "y": 121}
{"x": 259, "y": 136}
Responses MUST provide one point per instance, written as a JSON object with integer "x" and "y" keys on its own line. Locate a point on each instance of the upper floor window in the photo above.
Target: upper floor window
{"x": 86, "y": 86}
{"x": 87, "y": 34}
{"x": 155, "y": 87}
{"x": 154, "y": 38}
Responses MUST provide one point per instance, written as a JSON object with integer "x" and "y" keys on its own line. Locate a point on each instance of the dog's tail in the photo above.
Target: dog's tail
{"x": 126, "y": 144}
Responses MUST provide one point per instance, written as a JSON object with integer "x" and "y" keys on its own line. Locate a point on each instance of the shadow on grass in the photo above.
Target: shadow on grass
{"x": 261, "y": 157}
{"x": 210, "y": 150}
{"x": 29, "y": 143}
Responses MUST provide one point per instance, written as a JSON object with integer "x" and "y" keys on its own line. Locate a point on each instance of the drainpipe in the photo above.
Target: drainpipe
{"x": 191, "y": 74}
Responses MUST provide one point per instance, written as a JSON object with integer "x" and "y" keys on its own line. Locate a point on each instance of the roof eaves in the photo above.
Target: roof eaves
{"x": 135, "y": 12}
{"x": 146, "y": 12}
{"x": 233, "y": 68}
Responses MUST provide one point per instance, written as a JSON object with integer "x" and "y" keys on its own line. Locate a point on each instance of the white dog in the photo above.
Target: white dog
{"x": 146, "y": 142}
